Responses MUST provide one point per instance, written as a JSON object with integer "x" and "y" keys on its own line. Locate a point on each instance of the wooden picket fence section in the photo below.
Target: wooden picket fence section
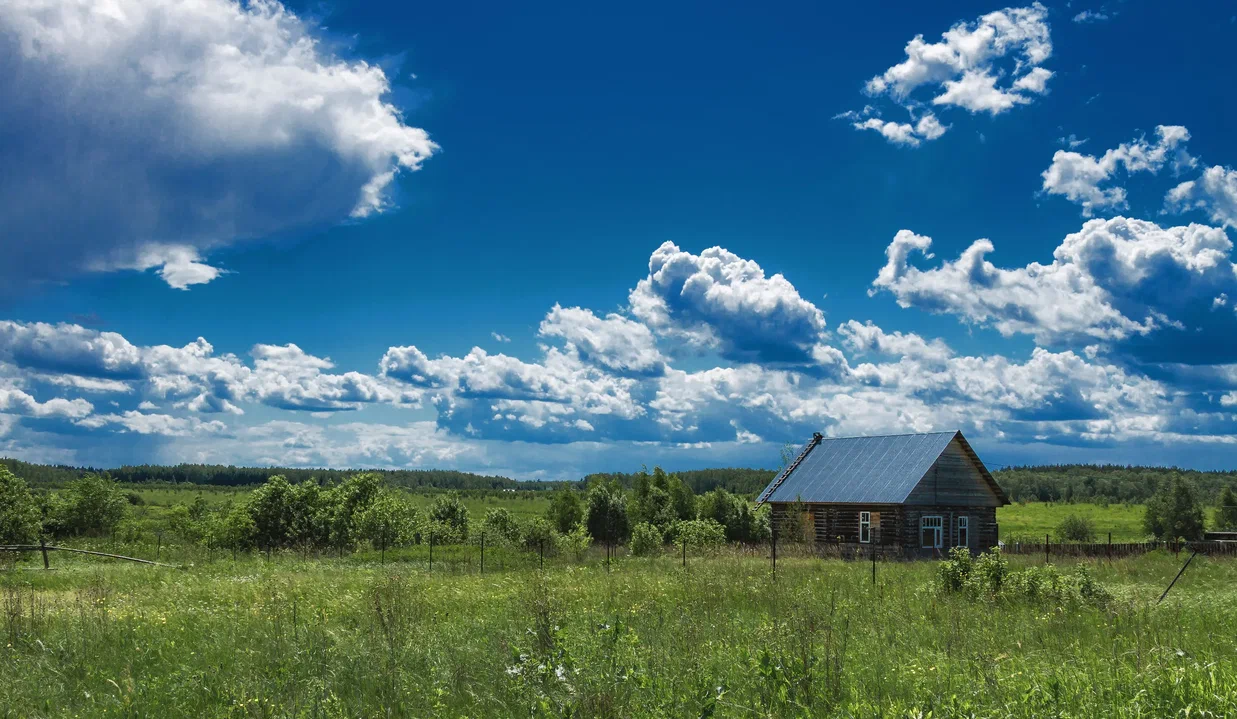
{"x": 1116, "y": 550}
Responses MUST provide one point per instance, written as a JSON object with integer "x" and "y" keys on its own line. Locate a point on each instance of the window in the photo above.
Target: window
{"x": 930, "y": 529}
{"x": 865, "y": 527}
{"x": 964, "y": 531}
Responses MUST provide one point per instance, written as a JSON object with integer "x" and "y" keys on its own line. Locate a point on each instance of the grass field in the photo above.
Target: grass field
{"x": 351, "y": 637}
{"x": 1034, "y": 519}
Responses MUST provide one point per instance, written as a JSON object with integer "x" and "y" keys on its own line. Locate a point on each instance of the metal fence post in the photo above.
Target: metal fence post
{"x": 43, "y": 547}
{"x": 483, "y": 552}
{"x": 1047, "y": 544}
{"x": 431, "y": 552}
{"x": 684, "y": 552}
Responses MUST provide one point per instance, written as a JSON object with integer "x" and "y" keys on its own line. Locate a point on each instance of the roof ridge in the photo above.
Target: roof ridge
{"x": 896, "y": 434}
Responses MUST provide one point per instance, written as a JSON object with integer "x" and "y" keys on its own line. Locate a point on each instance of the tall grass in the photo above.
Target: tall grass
{"x": 327, "y": 637}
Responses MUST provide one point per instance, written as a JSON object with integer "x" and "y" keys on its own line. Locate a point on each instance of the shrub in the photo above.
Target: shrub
{"x": 19, "y": 513}
{"x": 646, "y": 539}
{"x": 699, "y": 534}
{"x": 1076, "y": 528}
{"x": 389, "y": 521}
{"x": 501, "y": 527}
{"x": 537, "y": 533}
{"x": 448, "y": 509}
{"x": 92, "y": 505}
{"x": 989, "y": 577}
{"x": 576, "y": 542}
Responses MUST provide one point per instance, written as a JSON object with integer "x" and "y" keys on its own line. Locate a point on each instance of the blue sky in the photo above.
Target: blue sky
{"x": 566, "y": 239}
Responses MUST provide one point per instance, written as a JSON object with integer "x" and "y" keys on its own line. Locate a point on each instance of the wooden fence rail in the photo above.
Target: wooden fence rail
{"x": 45, "y": 548}
{"x": 1116, "y": 549}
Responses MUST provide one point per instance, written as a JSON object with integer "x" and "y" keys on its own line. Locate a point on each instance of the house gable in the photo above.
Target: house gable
{"x": 957, "y": 478}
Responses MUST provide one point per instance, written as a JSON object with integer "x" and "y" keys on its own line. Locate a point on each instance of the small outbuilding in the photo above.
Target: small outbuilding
{"x": 909, "y": 494}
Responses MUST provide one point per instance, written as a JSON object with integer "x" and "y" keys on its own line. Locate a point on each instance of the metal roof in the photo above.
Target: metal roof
{"x": 853, "y": 470}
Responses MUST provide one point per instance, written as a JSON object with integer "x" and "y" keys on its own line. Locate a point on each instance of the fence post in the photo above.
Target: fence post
{"x": 1110, "y": 546}
{"x": 43, "y": 547}
{"x": 158, "y": 544}
{"x": 483, "y": 552}
{"x": 431, "y": 552}
{"x": 684, "y": 552}
{"x": 774, "y": 544}
{"x": 874, "y": 565}
{"x": 1046, "y": 546}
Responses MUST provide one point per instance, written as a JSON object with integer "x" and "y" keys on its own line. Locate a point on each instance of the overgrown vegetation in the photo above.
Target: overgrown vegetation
{"x": 990, "y": 577}
{"x": 639, "y": 637}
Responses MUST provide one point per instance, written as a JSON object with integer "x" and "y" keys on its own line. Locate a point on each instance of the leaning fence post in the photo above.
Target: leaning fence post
{"x": 43, "y": 547}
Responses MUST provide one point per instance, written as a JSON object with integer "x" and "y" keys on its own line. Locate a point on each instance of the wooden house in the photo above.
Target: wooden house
{"x": 908, "y": 494}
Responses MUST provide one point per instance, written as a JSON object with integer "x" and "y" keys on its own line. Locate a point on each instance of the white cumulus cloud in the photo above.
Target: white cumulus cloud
{"x": 145, "y": 133}
{"x": 1084, "y": 179}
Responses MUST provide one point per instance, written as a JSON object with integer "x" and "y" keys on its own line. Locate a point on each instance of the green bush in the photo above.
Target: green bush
{"x": 574, "y": 543}
{"x": 1076, "y": 528}
{"x": 19, "y": 513}
{"x": 699, "y": 534}
{"x": 501, "y": 527}
{"x": 449, "y": 509}
{"x": 93, "y": 505}
{"x": 989, "y": 577}
{"x": 646, "y": 539}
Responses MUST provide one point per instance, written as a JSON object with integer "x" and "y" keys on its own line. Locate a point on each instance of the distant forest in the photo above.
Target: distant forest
{"x": 1048, "y": 483}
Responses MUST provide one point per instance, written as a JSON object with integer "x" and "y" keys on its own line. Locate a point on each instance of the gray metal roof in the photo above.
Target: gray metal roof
{"x": 877, "y": 470}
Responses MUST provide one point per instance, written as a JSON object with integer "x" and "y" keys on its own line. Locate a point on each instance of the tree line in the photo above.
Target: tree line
{"x": 365, "y": 509}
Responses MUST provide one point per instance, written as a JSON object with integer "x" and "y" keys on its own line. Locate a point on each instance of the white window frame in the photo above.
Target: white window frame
{"x": 938, "y": 526}
{"x": 865, "y": 527}
{"x": 964, "y": 531}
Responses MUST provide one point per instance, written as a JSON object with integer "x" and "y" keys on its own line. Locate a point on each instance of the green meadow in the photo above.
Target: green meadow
{"x": 721, "y": 637}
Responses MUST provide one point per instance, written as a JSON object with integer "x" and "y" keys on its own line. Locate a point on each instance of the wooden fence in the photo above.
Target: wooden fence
{"x": 1115, "y": 549}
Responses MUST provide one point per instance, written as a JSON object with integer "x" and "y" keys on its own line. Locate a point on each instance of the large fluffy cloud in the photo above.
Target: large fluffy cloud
{"x": 1160, "y": 293}
{"x": 1081, "y": 178}
{"x": 719, "y": 301}
{"x": 989, "y": 65}
{"x": 142, "y": 133}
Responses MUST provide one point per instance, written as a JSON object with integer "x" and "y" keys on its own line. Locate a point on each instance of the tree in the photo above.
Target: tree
{"x": 346, "y": 501}
{"x": 607, "y": 512}
{"x": 735, "y": 514}
{"x": 448, "y": 509}
{"x": 1076, "y": 528}
{"x": 1175, "y": 511}
{"x": 270, "y": 508}
{"x": 388, "y": 521}
{"x": 501, "y": 527}
{"x": 566, "y": 511}
{"x": 92, "y": 505}
{"x": 20, "y": 522}
{"x": 1226, "y": 513}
